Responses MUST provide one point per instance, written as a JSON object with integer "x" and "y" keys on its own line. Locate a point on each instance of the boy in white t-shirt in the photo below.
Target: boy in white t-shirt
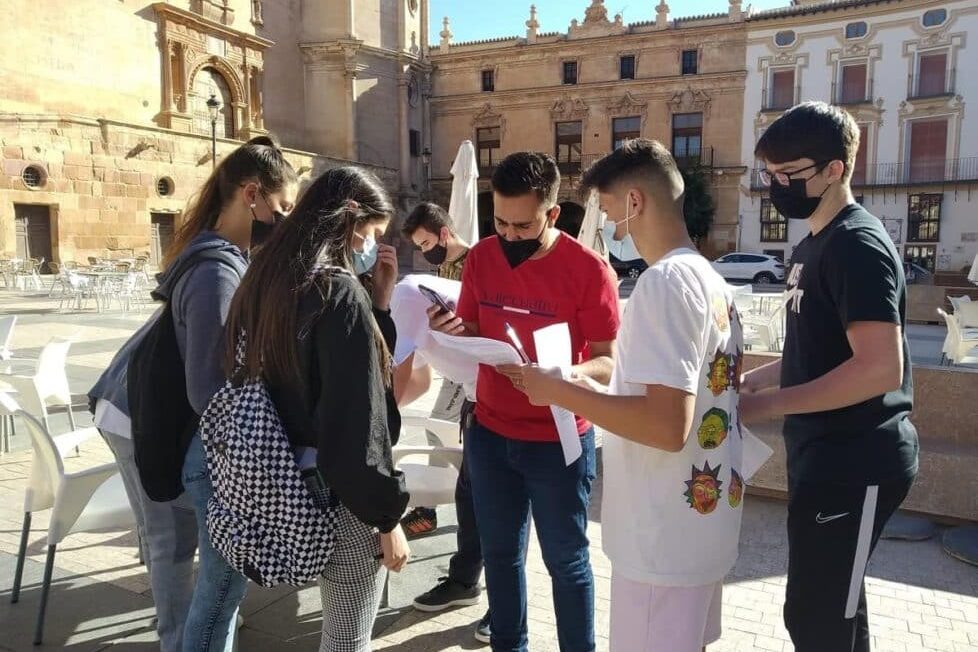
{"x": 673, "y": 489}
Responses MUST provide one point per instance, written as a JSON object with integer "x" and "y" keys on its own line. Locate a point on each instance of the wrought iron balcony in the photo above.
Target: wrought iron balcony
{"x": 907, "y": 173}
{"x": 919, "y": 88}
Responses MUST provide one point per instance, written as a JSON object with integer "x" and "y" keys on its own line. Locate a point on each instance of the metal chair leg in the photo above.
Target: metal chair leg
{"x": 21, "y": 557}
{"x": 45, "y": 589}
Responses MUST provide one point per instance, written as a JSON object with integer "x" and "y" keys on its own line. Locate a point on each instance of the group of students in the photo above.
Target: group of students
{"x": 665, "y": 380}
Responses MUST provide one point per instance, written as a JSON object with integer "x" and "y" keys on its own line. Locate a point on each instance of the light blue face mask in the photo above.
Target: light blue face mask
{"x": 624, "y": 249}
{"x": 365, "y": 259}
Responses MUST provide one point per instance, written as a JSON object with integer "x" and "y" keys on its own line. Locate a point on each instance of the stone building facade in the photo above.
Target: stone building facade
{"x": 577, "y": 94}
{"x": 903, "y": 70}
{"x": 105, "y": 134}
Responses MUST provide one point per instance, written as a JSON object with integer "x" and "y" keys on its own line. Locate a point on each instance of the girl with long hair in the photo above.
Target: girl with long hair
{"x": 243, "y": 200}
{"x": 321, "y": 341}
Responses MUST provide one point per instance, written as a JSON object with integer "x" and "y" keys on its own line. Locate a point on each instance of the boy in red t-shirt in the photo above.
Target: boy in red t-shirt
{"x": 530, "y": 276}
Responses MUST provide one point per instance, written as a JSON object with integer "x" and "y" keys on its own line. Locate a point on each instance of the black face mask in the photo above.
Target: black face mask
{"x": 261, "y": 231}
{"x": 518, "y": 252}
{"x": 436, "y": 255}
{"x": 793, "y": 201}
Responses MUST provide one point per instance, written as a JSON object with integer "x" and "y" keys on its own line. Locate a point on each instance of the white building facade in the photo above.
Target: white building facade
{"x": 905, "y": 69}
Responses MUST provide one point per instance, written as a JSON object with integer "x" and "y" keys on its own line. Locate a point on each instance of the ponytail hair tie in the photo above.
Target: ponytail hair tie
{"x": 352, "y": 205}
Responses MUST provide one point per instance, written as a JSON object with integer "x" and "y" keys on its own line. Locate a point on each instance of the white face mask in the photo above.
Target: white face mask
{"x": 624, "y": 249}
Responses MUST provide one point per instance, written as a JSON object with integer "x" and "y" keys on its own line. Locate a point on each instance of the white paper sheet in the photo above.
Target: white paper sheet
{"x": 553, "y": 345}
{"x": 755, "y": 454}
{"x": 476, "y": 350}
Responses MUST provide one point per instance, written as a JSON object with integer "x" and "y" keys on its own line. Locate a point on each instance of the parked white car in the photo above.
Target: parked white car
{"x": 756, "y": 268}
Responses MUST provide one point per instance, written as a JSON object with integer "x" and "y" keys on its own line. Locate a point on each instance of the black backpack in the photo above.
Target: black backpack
{"x": 163, "y": 422}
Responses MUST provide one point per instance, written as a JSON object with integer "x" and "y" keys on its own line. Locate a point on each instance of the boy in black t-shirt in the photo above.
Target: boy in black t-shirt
{"x": 843, "y": 383}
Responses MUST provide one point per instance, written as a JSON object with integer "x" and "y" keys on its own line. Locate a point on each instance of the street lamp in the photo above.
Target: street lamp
{"x": 426, "y": 159}
{"x": 214, "y": 109}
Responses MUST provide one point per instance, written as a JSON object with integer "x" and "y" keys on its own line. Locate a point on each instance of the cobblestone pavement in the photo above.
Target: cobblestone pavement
{"x": 919, "y": 598}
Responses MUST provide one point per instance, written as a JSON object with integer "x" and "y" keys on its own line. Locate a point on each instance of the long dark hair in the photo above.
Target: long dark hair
{"x": 259, "y": 159}
{"x": 317, "y": 234}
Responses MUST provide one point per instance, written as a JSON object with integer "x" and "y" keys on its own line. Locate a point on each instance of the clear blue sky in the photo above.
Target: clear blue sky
{"x": 482, "y": 19}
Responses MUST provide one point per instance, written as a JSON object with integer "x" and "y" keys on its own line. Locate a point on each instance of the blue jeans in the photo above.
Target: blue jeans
{"x": 168, "y": 533}
{"x": 219, "y": 589}
{"x": 509, "y": 480}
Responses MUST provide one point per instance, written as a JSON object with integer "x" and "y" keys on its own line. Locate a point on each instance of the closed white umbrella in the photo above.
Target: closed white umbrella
{"x": 590, "y": 233}
{"x": 973, "y": 274}
{"x": 464, "y": 206}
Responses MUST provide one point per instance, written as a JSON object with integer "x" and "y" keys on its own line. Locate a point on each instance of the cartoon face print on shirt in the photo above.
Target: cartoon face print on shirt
{"x": 721, "y": 312}
{"x": 735, "y": 492}
{"x": 720, "y": 375}
{"x": 703, "y": 489}
{"x": 714, "y": 428}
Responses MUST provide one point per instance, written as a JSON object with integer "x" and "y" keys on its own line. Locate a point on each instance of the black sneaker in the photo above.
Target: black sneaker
{"x": 419, "y": 522}
{"x": 483, "y": 631}
{"x": 448, "y": 593}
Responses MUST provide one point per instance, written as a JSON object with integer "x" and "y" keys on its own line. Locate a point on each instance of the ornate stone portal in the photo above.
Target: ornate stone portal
{"x": 191, "y": 43}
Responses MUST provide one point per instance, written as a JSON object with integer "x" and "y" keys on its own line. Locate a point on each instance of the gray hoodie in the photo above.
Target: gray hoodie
{"x": 200, "y": 300}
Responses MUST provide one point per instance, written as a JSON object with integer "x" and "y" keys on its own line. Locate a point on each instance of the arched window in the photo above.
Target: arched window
{"x": 210, "y": 82}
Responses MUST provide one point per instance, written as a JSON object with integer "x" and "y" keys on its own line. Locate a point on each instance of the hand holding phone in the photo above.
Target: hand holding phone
{"x": 434, "y": 298}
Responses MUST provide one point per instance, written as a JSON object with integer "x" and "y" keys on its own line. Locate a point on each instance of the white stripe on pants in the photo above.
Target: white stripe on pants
{"x": 351, "y": 587}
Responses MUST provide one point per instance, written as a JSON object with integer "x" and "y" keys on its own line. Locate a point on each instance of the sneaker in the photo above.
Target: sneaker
{"x": 419, "y": 521}
{"x": 448, "y": 593}
{"x": 483, "y": 631}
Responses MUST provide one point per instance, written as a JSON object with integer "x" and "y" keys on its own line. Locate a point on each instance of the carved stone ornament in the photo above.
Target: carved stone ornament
{"x": 568, "y": 109}
{"x": 487, "y": 117}
{"x": 690, "y": 101}
{"x": 596, "y": 23}
{"x": 627, "y": 105}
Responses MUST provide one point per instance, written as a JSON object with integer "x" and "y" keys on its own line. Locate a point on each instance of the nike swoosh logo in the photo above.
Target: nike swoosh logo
{"x": 828, "y": 519}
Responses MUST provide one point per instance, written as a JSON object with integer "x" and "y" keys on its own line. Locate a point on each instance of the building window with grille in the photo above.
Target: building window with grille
{"x": 569, "y": 137}
{"x": 932, "y": 76}
{"x": 487, "y": 142}
{"x": 784, "y": 39}
{"x": 207, "y": 83}
{"x": 928, "y": 150}
{"x": 859, "y": 167}
{"x": 488, "y": 81}
{"x": 774, "y": 227}
{"x": 687, "y": 137}
{"x": 570, "y": 72}
{"x": 854, "y": 88}
{"x": 924, "y": 218}
{"x": 626, "y": 67}
{"x": 690, "y": 62}
{"x": 623, "y": 129}
{"x": 781, "y": 95}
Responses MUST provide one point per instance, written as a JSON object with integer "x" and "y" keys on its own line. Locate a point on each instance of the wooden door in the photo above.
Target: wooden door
{"x": 33, "y": 232}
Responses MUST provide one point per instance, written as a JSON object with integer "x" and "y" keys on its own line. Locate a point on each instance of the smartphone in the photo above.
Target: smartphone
{"x": 434, "y": 298}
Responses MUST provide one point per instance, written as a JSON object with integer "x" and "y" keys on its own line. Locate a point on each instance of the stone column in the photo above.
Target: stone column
{"x": 403, "y": 80}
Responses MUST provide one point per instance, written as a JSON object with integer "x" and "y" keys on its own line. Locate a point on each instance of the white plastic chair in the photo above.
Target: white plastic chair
{"x": 6, "y": 335}
{"x": 48, "y": 387}
{"x": 91, "y": 500}
{"x": 957, "y": 301}
{"x": 959, "y": 341}
{"x": 766, "y": 330}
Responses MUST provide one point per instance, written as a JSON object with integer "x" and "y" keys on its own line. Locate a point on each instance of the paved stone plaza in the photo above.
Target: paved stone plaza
{"x": 919, "y": 598}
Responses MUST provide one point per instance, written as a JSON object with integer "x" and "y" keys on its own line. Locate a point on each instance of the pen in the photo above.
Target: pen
{"x": 515, "y": 340}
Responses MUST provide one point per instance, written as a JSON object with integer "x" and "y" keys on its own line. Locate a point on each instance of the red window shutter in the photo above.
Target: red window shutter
{"x": 928, "y": 149}
{"x": 783, "y": 89}
{"x": 854, "y": 83}
{"x": 933, "y": 75}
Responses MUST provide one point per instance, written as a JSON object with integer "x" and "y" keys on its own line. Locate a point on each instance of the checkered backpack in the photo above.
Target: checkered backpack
{"x": 263, "y": 518}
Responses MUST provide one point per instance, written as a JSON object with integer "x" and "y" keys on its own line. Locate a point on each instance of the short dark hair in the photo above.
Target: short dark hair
{"x": 428, "y": 216}
{"x": 525, "y": 172}
{"x": 814, "y": 130}
{"x": 641, "y": 160}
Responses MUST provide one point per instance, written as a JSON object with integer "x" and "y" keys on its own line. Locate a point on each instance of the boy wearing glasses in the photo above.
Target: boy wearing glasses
{"x": 843, "y": 383}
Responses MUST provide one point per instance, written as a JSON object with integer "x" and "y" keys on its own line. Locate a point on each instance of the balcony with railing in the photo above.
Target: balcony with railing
{"x": 921, "y": 87}
{"x": 849, "y": 93}
{"x": 908, "y": 173}
{"x": 773, "y": 100}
